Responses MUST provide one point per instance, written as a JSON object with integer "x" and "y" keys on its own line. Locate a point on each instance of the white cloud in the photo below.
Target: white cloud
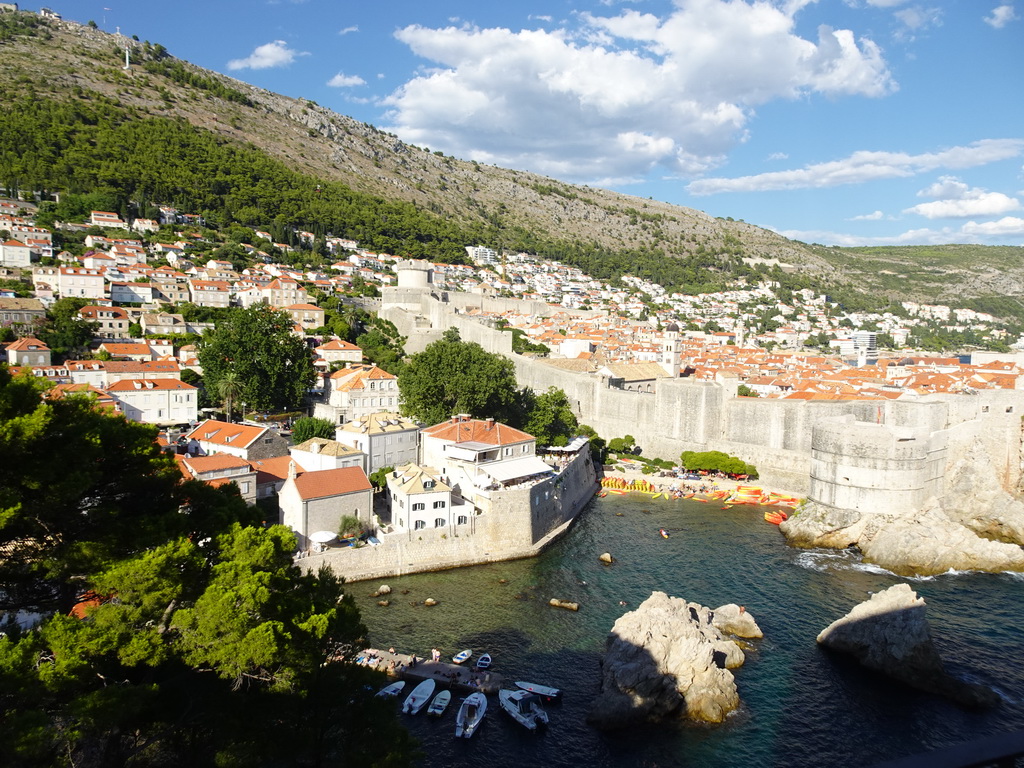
{"x": 865, "y": 166}
{"x": 345, "y": 81}
{"x": 885, "y": 3}
{"x": 275, "y": 54}
{"x": 845, "y": 239}
{"x": 874, "y": 216}
{"x": 1008, "y": 225}
{"x": 778, "y": 156}
{"x": 918, "y": 18}
{"x": 1001, "y": 16}
{"x": 532, "y": 17}
{"x": 572, "y": 102}
{"x": 954, "y": 199}
{"x": 348, "y": 30}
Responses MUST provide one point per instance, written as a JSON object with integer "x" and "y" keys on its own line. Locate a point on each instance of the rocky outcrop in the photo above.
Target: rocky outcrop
{"x": 667, "y": 660}
{"x": 929, "y": 542}
{"x": 974, "y": 526}
{"x": 734, "y": 620}
{"x": 889, "y": 633}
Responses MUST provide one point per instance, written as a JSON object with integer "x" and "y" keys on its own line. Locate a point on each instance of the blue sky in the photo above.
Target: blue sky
{"x": 847, "y": 122}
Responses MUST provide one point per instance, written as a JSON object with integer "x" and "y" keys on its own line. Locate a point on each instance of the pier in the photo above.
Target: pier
{"x": 462, "y": 677}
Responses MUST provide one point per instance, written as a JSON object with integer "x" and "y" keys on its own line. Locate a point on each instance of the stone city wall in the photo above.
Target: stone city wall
{"x": 776, "y": 436}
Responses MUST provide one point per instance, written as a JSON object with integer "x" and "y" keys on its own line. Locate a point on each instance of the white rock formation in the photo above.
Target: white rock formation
{"x": 666, "y": 659}
{"x": 889, "y": 633}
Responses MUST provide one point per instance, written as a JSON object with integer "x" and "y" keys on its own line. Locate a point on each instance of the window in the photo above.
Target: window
{"x": 508, "y": 451}
{"x": 462, "y": 520}
{"x": 418, "y": 506}
{"x": 244, "y": 488}
{"x": 440, "y": 504}
{"x": 439, "y": 522}
{"x": 420, "y": 525}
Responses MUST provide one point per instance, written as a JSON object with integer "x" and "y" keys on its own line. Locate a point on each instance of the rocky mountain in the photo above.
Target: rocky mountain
{"x": 64, "y": 60}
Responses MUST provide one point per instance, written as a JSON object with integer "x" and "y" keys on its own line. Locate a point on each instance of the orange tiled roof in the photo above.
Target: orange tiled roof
{"x": 477, "y": 431}
{"x": 331, "y": 482}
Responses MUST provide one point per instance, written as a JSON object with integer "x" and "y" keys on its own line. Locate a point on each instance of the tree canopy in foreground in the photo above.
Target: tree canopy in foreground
{"x": 158, "y": 625}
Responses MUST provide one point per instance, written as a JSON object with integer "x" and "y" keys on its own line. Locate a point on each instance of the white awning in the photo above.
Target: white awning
{"x": 322, "y": 537}
{"x": 513, "y": 469}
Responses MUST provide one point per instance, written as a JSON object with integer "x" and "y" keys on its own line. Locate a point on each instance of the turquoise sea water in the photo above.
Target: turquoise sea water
{"x": 801, "y": 706}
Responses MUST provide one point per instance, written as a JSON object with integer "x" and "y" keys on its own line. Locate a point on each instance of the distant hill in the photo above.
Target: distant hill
{"x": 602, "y": 231}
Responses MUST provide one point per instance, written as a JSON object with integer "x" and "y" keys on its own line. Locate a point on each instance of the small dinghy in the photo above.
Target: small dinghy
{"x": 439, "y": 704}
{"x": 420, "y": 695}
{"x": 524, "y": 707}
{"x": 541, "y": 690}
{"x": 470, "y": 715}
{"x": 391, "y": 691}
{"x": 484, "y": 662}
{"x": 461, "y": 656}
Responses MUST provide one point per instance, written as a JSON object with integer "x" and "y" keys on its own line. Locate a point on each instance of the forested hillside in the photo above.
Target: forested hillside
{"x": 167, "y": 132}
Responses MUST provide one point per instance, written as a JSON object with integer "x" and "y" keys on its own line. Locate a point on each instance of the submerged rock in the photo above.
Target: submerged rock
{"x": 666, "y": 660}
{"x": 889, "y": 633}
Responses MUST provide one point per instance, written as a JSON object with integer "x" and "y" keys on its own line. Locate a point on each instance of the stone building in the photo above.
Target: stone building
{"x": 317, "y": 501}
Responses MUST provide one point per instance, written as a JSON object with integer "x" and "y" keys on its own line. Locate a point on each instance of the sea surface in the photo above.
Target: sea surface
{"x": 801, "y": 706}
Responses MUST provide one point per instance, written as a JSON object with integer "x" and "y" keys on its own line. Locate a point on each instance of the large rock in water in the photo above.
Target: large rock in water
{"x": 666, "y": 659}
{"x": 889, "y": 633}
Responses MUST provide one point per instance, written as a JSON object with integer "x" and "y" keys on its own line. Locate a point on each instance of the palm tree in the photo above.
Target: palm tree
{"x": 229, "y": 388}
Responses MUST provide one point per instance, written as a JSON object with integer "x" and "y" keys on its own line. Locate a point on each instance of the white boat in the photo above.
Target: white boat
{"x": 420, "y": 695}
{"x": 470, "y": 715}
{"x": 484, "y": 662}
{"x": 391, "y": 691}
{"x": 541, "y": 690}
{"x": 461, "y": 656}
{"x": 440, "y": 703}
{"x": 524, "y": 707}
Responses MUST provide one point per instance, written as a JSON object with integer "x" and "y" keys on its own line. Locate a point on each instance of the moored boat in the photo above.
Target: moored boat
{"x": 541, "y": 690}
{"x": 524, "y": 707}
{"x": 471, "y": 714}
{"x": 484, "y": 662}
{"x": 461, "y": 656}
{"x": 420, "y": 695}
{"x": 439, "y": 704}
{"x": 391, "y": 691}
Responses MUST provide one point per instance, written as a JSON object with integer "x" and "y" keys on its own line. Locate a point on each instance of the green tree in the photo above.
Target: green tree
{"x": 551, "y": 419}
{"x": 625, "y": 444}
{"x": 380, "y": 477}
{"x": 453, "y": 376}
{"x": 66, "y": 333}
{"x": 744, "y": 391}
{"x": 229, "y": 387}
{"x": 307, "y": 428}
{"x": 274, "y": 366}
{"x": 216, "y": 642}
